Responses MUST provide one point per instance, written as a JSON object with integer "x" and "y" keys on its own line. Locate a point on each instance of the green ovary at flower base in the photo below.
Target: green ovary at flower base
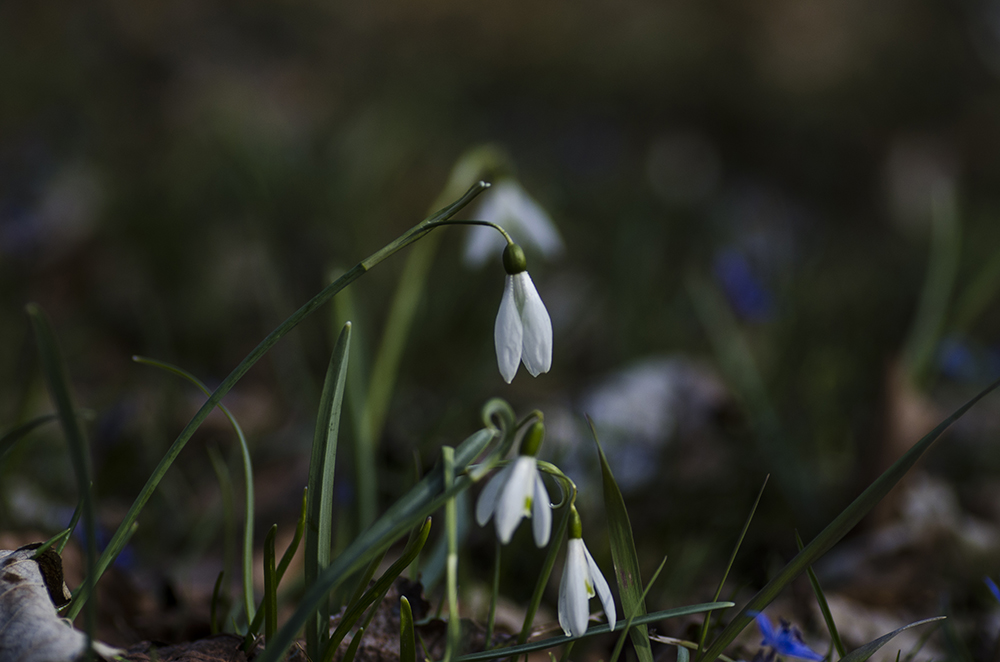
{"x": 581, "y": 580}
{"x": 523, "y": 331}
{"x": 516, "y": 492}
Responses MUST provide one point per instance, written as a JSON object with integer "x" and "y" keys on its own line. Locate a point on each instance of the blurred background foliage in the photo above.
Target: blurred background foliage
{"x": 781, "y": 255}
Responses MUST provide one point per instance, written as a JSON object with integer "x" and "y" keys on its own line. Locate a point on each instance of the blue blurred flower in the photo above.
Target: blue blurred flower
{"x": 746, "y": 292}
{"x": 785, "y": 641}
{"x": 990, "y": 584}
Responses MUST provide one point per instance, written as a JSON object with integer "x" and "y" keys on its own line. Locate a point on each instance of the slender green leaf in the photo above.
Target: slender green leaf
{"x": 407, "y": 639}
{"x": 413, "y": 546}
{"x": 228, "y": 511}
{"x": 836, "y": 530}
{"x": 623, "y": 553}
{"x": 451, "y": 531}
{"x": 57, "y": 380}
{"x": 628, "y": 624}
{"x": 248, "y": 501}
{"x": 319, "y": 522}
{"x": 270, "y": 600}
{"x": 424, "y": 498}
{"x": 300, "y": 528}
{"x": 19, "y": 432}
{"x": 864, "y": 652}
{"x": 352, "y": 648}
{"x": 57, "y": 539}
{"x": 213, "y": 623}
{"x": 510, "y": 651}
{"x": 415, "y": 233}
{"x": 77, "y": 512}
{"x": 732, "y": 559}
{"x": 824, "y": 606}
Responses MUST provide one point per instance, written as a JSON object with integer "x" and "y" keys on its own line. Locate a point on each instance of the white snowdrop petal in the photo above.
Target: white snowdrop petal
{"x": 601, "y": 588}
{"x": 536, "y": 351}
{"x": 517, "y": 490}
{"x": 573, "y": 609}
{"x": 508, "y": 333}
{"x": 487, "y": 502}
{"x": 541, "y": 512}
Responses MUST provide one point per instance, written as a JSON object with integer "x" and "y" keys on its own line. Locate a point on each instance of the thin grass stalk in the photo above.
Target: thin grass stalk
{"x": 116, "y": 544}
{"x": 824, "y": 606}
{"x": 248, "y": 491}
{"x": 635, "y": 613}
{"x": 270, "y": 599}
{"x": 407, "y": 639}
{"x": 451, "y": 531}
{"x": 213, "y": 623}
{"x": 54, "y": 368}
{"x": 729, "y": 565}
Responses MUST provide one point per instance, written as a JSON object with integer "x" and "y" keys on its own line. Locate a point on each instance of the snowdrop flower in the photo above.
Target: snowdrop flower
{"x": 517, "y": 491}
{"x": 508, "y": 205}
{"x": 786, "y": 641}
{"x": 580, "y": 581}
{"x": 523, "y": 330}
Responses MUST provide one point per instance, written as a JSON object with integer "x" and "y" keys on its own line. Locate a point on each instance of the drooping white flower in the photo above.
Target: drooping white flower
{"x": 515, "y": 492}
{"x": 581, "y": 580}
{"x": 508, "y": 205}
{"x": 523, "y": 330}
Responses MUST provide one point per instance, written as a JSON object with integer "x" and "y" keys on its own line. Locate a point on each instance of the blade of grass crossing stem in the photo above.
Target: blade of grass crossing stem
{"x": 424, "y": 498}
{"x": 415, "y": 233}
{"x": 729, "y": 566}
{"x": 451, "y": 530}
{"x": 213, "y": 623}
{"x": 628, "y": 624}
{"x": 77, "y": 512}
{"x": 248, "y": 493}
{"x": 836, "y": 529}
{"x": 413, "y": 546}
{"x": 300, "y": 529}
{"x": 555, "y": 543}
{"x": 54, "y": 368}
{"x": 19, "y": 432}
{"x": 407, "y": 637}
{"x": 319, "y": 520}
{"x": 58, "y": 538}
{"x": 270, "y": 586}
{"x": 623, "y": 553}
{"x": 824, "y": 606}
{"x": 552, "y": 642}
{"x": 864, "y": 652}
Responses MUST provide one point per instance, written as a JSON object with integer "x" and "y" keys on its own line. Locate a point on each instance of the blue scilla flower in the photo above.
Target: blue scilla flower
{"x": 990, "y": 584}
{"x": 786, "y": 641}
{"x": 746, "y": 292}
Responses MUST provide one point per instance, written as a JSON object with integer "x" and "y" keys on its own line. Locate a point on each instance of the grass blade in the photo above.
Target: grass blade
{"x": 300, "y": 529}
{"x": 57, "y": 381}
{"x": 552, "y": 642}
{"x": 319, "y": 519}
{"x": 864, "y": 652}
{"x": 117, "y": 543}
{"x": 624, "y": 555}
{"x": 248, "y": 503}
{"x": 270, "y": 600}
{"x": 15, "y": 434}
{"x": 836, "y": 529}
{"x": 628, "y": 625}
{"x": 413, "y": 546}
{"x": 426, "y": 496}
{"x": 729, "y": 566}
{"x": 407, "y": 638}
{"x": 213, "y": 623}
{"x": 824, "y": 606}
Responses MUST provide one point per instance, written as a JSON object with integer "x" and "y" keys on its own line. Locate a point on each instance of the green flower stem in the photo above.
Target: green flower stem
{"x": 116, "y": 544}
{"x": 451, "y": 530}
{"x": 491, "y": 620}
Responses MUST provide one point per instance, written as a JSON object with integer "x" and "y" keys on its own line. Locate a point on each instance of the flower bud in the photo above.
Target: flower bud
{"x": 514, "y": 261}
{"x": 532, "y": 440}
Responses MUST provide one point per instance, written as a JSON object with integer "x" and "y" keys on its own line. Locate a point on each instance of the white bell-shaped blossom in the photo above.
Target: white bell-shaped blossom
{"x": 523, "y": 330}
{"x": 515, "y": 492}
{"x": 508, "y": 205}
{"x": 581, "y": 580}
